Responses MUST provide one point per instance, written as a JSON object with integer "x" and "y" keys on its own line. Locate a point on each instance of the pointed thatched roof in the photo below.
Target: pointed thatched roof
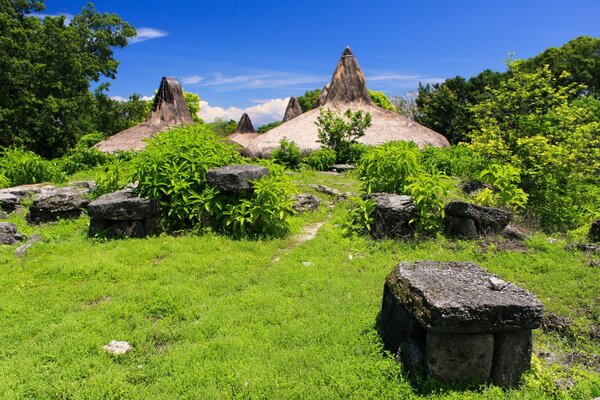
{"x": 169, "y": 109}
{"x": 347, "y": 89}
{"x": 244, "y": 133}
{"x": 293, "y": 110}
{"x": 245, "y": 125}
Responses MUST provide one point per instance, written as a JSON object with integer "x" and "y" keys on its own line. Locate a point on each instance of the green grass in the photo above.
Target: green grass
{"x": 211, "y": 317}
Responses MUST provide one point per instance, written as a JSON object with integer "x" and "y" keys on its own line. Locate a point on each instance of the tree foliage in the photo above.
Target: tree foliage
{"x": 46, "y": 67}
{"x": 338, "y": 133}
{"x": 530, "y": 122}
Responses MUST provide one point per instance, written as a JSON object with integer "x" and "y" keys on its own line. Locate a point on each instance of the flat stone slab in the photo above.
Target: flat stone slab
{"x": 118, "y": 347}
{"x": 342, "y": 167}
{"x": 471, "y": 220}
{"x": 52, "y": 204}
{"x": 235, "y": 178}
{"x": 123, "y": 205}
{"x": 392, "y": 215}
{"x": 459, "y": 297}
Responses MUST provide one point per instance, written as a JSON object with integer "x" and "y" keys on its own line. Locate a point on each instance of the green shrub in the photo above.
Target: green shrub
{"x": 321, "y": 160}
{"x": 386, "y": 168}
{"x": 80, "y": 159}
{"x": 288, "y": 154}
{"x": 20, "y": 166}
{"x": 337, "y": 132}
{"x": 87, "y": 141}
{"x": 353, "y": 153}
{"x": 505, "y": 180}
{"x": 4, "y": 182}
{"x": 459, "y": 160}
{"x": 172, "y": 169}
{"x": 360, "y": 218}
{"x": 429, "y": 192}
{"x": 114, "y": 175}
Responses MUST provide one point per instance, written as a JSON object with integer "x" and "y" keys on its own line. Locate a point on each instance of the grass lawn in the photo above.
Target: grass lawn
{"x": 214, "y": 318}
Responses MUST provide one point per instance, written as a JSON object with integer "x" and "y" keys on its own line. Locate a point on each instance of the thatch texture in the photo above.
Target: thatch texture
{"x": 245, "y": 125}
{"x": 346, "y": 90}
{"x": 293, "y": 110}
{"x": 244, "y": 133}
{"x": 169, "y": 109}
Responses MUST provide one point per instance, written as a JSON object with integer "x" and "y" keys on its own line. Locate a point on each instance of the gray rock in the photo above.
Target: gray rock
{"x": 306, "y": 202}
{"x": 456, "y": 297}
{"x": 585, "y": 247}
{"x": 342, "y": 167}
{"x": 594, "y": 234}
{"x": 460, "y": 358}
{"x": 512, "y": 356}
{"x": 496, "y": 283}
{"x": 8, "y": 201}
{"x": 392, "y": 215}
{"x": 27, "y": 190}
{"x": 474, "y": 186}
{"x": 235, "y": 178}
{"x": 9, "y": 234}
{"x": 396, "y": 323}
{"x": 123, "y": 205}
{"x": 57, "y": 203}
{"x": 513, "y": 233}
{"x": 462, "y": 216}
{"x": 325, "y": 189}
{"x": 126, "y": 229}
{"x": 89, "y": 186}
{"x": 411, "y": 353}
{"x": 118, "y": 347}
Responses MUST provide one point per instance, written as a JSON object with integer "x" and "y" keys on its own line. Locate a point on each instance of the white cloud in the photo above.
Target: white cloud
{"x": 124, "y": 99}
{"x": 262, "y": 80}
{"x": 191, "y": 80}
{"x": 144, "y": 34}
{"x": 260, "y": 114}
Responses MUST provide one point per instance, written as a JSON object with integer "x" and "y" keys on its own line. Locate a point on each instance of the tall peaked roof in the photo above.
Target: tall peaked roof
{"x": 292, "y": 110}
{"x": 245, "y": 125}
{"x": 169, "y": 109}
{"x": 347, "y": 83}
{"x": 347, "y": 90}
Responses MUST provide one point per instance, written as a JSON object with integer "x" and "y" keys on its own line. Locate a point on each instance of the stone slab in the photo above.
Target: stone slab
{"x": 512, "y": 357}
{"x": 458, "y": 297}
{"x": 123, "y": 205}
{"x": 235, "y": 178}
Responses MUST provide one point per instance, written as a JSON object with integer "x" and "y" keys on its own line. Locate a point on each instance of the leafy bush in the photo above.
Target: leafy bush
{"x": 505, "y": 180}
{"x": 360, "y": 218}
{"x": 267, "y": 127}
{"x": 338, "y": 132}
{"x": 20, "y": 166}
{"x": 429, "y": 192}
{"x": 87, "y": 141}
{"x": 386, "y": 168}
{"x": 81, "y": 159}
{"x": 114, "y": 175}
{"x": 353, "y": 153}
{"x": 459, "y": 160}
{"x": 264, "y": 212}
{"x": 321, "y": 160}
{"x": 4, "y": 182}
{"x": 288, "y": 154}
{"x": 381, "y": 100}
{"x": 529, "y": 122}
{"x": 172, "y": 169}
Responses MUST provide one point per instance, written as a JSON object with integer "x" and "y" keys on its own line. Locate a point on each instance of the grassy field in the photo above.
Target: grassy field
{"x": 290, "y": 318}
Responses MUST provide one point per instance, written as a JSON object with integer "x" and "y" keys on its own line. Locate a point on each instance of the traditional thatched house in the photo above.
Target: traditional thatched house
{"x": 346, "y": 90}
{"x": 244, "y": 133}
{"x": 169, "y": 109}
{"x": 292, "y": 110}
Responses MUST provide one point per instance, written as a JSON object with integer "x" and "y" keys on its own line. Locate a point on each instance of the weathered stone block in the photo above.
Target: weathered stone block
{"x": 392, "y": 215}
{"x": 123, "y": 205}
{"x": 459, "y": 357}
{"x": 152, "y": 226}
{"x": 235, "y": 178}
{"x": 8, "y": 202}
{"x": 125, "y": 229}
{"x": 461, "y": 215}
{"x": 306, "y": 202}
{"x": 512, "y": 356}
{"x": 458, "y": 297}
{"x": 396, "y": 323}
{"x": 57, "y": 203}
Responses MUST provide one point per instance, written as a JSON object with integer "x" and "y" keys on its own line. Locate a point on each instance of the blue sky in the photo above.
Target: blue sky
{"x": 252, "y": 55}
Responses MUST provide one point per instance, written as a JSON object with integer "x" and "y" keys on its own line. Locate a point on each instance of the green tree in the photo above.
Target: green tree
{"x": 309, "y": 100}
{"x": 222, "y": 127}
{"x": 339, "y": 132}
{"x": 46, "y": 67}
{"x": 381, "y": 100}
{"x": 192, "y": 100}
{"x": 530, "y": 122}
{"x": 268, "y": 127}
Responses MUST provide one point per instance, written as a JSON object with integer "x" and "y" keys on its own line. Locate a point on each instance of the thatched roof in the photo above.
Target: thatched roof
{"x": 293, "y": 110}
{"x": 245, "y": 125}
{"x": 244, "y": 133}
{"x": 346, "y": 90}
{"x": 169, "y": 109}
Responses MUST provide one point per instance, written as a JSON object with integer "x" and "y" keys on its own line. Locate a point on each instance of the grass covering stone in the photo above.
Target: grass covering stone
{"x": 214, "y": 318}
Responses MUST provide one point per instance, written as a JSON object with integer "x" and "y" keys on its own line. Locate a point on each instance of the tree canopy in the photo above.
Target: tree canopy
{"x": 46, "y": 67}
